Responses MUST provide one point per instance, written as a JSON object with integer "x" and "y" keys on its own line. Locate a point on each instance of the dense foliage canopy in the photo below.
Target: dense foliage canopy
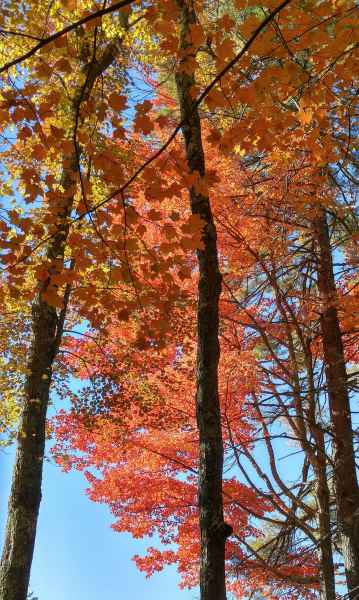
{"x": 179, "y": 266}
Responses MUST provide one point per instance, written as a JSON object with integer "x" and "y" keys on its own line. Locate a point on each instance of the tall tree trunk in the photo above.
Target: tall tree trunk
{"x": 345, "y": 478}
{"x": 214, "y": 530}
{"x": 25, "y": 494}
{"x": 325, "y": 539}
{"x": 318, "y": 459}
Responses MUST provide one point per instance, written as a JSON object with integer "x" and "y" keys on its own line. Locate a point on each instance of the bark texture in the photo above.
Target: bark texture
{"x": 318, "y": 459}
{"x": 345, "y": 477}
{"x": 47, "y": 325}
{"x": 322, "y": 493}
{"x": 25, "y": 495}
{"x": 214, "y": 530}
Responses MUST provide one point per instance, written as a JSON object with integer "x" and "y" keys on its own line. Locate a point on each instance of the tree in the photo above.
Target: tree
{"x": 91, "y": 181}
{"x": 345, "y": 475}
{"x": 214, "y": 531}
{"x": 117, "y": 453}
{"x": 47, "y": 322}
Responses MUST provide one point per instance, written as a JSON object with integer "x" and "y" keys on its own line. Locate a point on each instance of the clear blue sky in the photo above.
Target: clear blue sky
{"x": 77, "y": 555}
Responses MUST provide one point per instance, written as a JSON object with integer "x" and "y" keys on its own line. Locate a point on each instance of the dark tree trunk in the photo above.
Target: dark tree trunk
{"x": 345, "y": 478}
{"x": 25, "y": 494}
{"x": 213, "y": 529}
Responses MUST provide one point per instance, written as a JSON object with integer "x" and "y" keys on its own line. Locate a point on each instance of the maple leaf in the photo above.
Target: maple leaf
{"x": 197, "y": 34}
{"x": 38, "y": 152}
{"x": 305, "y": 115}
{"x": 195, "y": 224}
{"x": 154, "y": 215}
{"x": 225, "y": 49}
{"x": 63, "y": 65}
{"x": 117, "y": 101}
{"x": 144, "y": 124}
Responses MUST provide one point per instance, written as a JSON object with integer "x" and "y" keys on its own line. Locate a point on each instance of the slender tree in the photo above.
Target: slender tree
{"x": 345, "y": 475}
{"x": 214, "y": 531}
{"x": 47, "y": 331}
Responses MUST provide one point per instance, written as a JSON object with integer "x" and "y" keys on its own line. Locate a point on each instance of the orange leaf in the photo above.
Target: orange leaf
{"x": 225, "y": 49}
{"x": 117, "y": 101}
{"x": 197, "y": 34}
{"x": 144, "y": 107}
{"x": 63, "y": 65}
{"x": 305, "y": 115}
{"x": 38, "y": 152}
{"x": 61, "y": 41}
{"x": 143, "y": 123}
{"x": 154, "y": 215}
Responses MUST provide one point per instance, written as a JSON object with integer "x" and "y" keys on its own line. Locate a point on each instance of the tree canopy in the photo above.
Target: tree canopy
{"x": 178, "y": 236}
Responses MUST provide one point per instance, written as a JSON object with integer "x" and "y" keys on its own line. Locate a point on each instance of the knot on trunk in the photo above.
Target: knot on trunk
{"x": 222, "y": 529}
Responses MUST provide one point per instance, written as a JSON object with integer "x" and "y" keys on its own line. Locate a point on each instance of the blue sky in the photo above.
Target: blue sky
{"x": 78, "y": 556}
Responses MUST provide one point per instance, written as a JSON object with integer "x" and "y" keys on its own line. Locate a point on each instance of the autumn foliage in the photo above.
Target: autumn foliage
{"x": 136, "y": 139}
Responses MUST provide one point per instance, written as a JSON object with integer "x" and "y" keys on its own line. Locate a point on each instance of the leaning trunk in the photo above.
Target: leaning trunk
{"x": 345, "y": 478}
{"x": 25, "y": 494}
{"x": 213, "y": 530}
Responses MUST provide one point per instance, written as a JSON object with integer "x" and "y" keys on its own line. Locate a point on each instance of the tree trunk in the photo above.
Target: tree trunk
{"x": 325, "y": 539}
{"x": 25, "y": 494}
{"x": 345, "y": 478}
{"x": 213, "y": 529}
{"x": 318, "y": 459}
